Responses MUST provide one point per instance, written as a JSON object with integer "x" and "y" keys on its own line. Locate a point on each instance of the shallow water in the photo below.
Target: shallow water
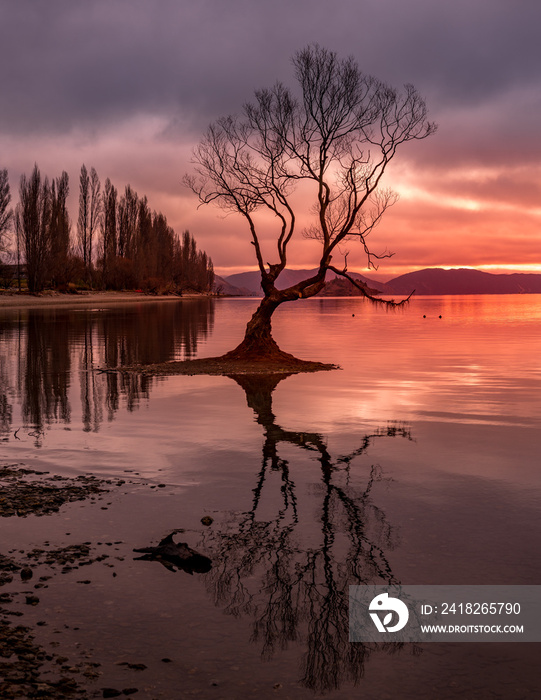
{"x": 417, "y": 462}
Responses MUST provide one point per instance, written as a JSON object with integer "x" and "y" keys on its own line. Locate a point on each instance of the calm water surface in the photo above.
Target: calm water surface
{"x": 417, "y": 462}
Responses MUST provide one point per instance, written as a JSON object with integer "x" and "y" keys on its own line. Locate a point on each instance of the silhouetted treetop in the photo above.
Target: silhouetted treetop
{"x": 337, "y": 131}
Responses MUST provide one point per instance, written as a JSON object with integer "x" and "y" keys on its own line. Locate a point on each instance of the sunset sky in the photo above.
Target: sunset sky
{"x": 129, "y": 87}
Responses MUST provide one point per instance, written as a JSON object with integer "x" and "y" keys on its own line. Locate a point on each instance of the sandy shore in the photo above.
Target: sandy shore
{"x": 18, "y": 301}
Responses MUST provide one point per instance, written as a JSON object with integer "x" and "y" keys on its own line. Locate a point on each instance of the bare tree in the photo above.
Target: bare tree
{"x": 83, "y": 221}
{"x": 60, "y": 230}
{"x": 6, "y": 213}
{"x": 95, "y": 213}
{"x": 128, "y": 209}
{"x": 33, "y": 217}
{"x": 90, "y": 210}
{"x": 6, "y": 216}
{"x": 166, "y": 244}
{"x": 339, "y": 135}
{"x": 108, "y": 230}
{"x": 145, "y": 257}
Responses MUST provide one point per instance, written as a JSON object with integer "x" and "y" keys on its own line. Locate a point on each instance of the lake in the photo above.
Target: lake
{"x": 417, "y": 462}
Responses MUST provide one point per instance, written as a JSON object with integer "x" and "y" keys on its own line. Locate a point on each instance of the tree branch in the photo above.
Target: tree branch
{"x": 364, "y": 289}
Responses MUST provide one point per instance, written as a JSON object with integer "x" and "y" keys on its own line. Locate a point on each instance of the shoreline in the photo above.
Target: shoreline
{"x": 32, "y": 664}
{"x": 50, "y": 299}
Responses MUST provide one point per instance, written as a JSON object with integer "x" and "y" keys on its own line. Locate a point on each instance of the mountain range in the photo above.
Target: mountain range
{"x": 251, "y": 282}
{"x": 433, "y": 281}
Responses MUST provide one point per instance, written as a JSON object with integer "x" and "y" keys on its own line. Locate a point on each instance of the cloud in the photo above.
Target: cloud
{"x": 129, "y": 86}
{"x": 73, "y": 63}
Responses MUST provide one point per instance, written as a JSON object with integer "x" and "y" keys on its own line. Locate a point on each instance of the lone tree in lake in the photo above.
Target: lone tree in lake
{"x": 338, "y": 134}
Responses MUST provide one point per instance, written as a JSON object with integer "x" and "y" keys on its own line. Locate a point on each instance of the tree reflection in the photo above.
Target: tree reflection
{"x": 6, "y": 409}
{"x": 51, "y": 344}
{"x": 10, "y": 344}
{"x": 293, "y": 578}
{"x": 46, "y": 371}
{"x": 171, "y": 331}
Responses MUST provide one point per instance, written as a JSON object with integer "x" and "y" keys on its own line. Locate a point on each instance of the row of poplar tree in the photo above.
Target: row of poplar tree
{"x": 119, "y": 244}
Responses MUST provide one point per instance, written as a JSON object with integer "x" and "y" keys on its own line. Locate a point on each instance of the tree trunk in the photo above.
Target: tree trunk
{"x": 258, "y": 343}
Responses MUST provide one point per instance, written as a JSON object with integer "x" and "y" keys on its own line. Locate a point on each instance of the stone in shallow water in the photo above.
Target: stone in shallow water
{"x": 26, "y": 573}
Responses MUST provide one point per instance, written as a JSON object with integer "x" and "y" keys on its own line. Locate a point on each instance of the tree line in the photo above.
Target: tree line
{"x": 40, "y": 357}
{"x": 119, "y": 242}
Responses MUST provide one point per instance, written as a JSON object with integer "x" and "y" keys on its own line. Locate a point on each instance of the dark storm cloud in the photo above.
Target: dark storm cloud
{"x": 462, "y": 52}
{"x": 130, "y": 85}
{"x": 72, "y": 64}
{"x": 77, "y": 64}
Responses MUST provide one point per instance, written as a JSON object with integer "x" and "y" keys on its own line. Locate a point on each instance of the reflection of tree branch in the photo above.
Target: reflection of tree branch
{"x": 48, "y": 339}
{"x": 303, "y": 589}
{"x": 6, "y": 409}
{"x": 46, "y": 376}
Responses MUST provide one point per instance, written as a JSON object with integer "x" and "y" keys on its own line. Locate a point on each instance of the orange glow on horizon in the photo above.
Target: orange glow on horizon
{"x": 391, "y": 272}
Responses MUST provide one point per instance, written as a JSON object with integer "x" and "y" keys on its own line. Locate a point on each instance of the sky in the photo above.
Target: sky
{"x": 130, "y": 86}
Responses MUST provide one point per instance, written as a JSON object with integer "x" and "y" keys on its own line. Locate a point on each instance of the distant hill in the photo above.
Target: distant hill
{"x": 222, "y": 286}
{"x": 252, "y": 281}
{"x": 434, "y": 280}
{"x": 464, "y": 281}
{"x": 341, "y": 287}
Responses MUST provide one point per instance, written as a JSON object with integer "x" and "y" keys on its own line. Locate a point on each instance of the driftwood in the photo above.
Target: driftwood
{"x": 176, "y": 557}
